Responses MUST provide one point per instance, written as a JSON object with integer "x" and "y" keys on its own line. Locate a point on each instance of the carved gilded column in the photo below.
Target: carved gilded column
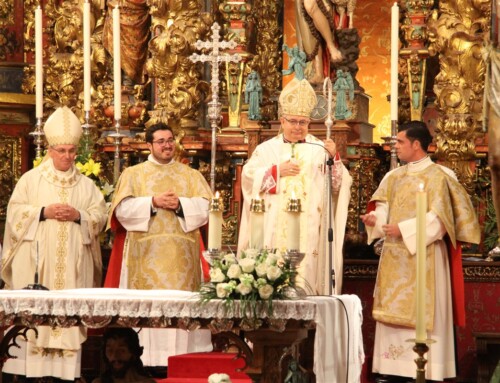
{"x": 456, "y": 34}
{"x": 415, "y": 52}
{"x": 268, "y": 58}
{"x": 176, "y": 26}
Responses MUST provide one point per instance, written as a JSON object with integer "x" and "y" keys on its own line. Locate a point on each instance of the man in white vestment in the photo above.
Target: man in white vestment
{"x": 54, "y": 217}
{"x": 293, "y": 164}
{"x": 157, "y": 210}
{"x": 450, "y": 219}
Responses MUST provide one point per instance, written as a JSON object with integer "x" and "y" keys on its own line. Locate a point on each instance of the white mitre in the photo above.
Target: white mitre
{"x": 63, "y": 128}
{"x": 298, "y": 98}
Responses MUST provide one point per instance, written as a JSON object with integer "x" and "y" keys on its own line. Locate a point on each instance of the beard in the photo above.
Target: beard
{"x": 119, "y": 370}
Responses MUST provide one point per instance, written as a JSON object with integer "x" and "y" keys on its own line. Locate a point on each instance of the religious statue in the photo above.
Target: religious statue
{"x": 253, "y": 96}
{"x": 342, "y": 85}
{"x": 135, "y": 22}
{"x": 295, "y": 374}
{"x": 297, "y": 62}
{"x": 317, "y": 21}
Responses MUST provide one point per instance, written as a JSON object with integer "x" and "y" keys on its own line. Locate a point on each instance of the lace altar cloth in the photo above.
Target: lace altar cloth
{"x": 148, "y": 308}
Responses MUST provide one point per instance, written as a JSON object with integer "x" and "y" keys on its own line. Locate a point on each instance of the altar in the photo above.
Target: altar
{"x": 338, "y": 344}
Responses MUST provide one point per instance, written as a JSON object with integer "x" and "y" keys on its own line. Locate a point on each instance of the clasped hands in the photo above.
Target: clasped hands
{"x": 390, "y": 230}
{"x": 166, "y": 200}
{"x": 61, "y": 212}
{"x": 292, "y": 168}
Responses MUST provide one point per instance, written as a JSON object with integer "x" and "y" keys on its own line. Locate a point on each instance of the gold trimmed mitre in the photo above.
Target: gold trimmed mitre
{"x": 63, "y": 127}
{"x": 298, "y": 98}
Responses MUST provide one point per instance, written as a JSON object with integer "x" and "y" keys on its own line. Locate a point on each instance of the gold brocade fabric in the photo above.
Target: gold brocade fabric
{"x": 164, "y": 257}
{"x": 394, "y": 297}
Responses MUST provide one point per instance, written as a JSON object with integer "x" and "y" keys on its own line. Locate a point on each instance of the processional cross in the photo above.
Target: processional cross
{"x": 215, "y": 57}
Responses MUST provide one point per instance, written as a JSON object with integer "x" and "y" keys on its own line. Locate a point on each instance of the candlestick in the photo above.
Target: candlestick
{"x": 394, "y": 60}
{"x": 215, "y": 223}
{"x": 117, "y": 75}
{"x": 86, "y": 56}
{"x": 38, "y": 63}
{"x": 420, "y": 327}
{"x": 257, "y": 209}
{"x": 293, "y": 212}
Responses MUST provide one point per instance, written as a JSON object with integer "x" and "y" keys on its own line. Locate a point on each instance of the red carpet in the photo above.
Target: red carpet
{"x": 197, "y": 367}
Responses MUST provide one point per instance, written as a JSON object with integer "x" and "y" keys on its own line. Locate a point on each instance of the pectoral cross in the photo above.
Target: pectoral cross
{"x": 215, "y": 57}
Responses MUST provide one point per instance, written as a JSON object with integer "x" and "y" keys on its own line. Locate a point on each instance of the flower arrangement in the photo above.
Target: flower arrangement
{"x": 92, "y": 169}
{"x": 256, "y": 278}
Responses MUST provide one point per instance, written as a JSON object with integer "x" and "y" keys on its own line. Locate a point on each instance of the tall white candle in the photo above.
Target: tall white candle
{"x": 394, "y": 60}
{"x": 215, "y": 223}
{"x": 117, "y": 63}
{"x": 420, "y": 327}
{"x": 86, "y": 56}
{"x": 257, "y": 223}
{"x": 38, "y": 62}
{"x": 293, "y": 221}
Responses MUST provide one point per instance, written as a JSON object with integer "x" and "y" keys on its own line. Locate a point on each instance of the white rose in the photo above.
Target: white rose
{"x": 247, "y": 265}
{"x": 216, "y": 275}
{"x": 234, "y": 271}
{"x": 221, "y": 290}
{"x": 273, "y": 273}
{"x": 251, "y": 253}
{"x": 261, "y": 269}
{"x": 271, "y": 259}
{"x": 244, "y": 289}
{"x": 266, "y": 291}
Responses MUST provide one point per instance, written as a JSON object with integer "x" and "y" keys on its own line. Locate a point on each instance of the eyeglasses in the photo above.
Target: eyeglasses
{"x": 62, "y": 151}
{"x": 163, "y": 142}
{"x": 301, "y": 123}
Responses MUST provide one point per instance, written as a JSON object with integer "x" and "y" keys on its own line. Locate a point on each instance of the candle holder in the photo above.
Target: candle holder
{"x": 421, "y": 348}
{"x": 294, "y": 205}
{"x": 38, "y": 137}
{"x": 117, "y": 136}
{"x": 212, "y": 255}
{"x": 257, "y": 205}
{"x": 293, "y": 258}
{"x": 86, "y": 127}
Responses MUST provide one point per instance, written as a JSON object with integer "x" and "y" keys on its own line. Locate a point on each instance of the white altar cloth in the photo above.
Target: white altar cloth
{"x": 338, "y": 344}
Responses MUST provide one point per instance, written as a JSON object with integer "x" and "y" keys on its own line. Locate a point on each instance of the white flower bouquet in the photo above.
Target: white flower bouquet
{"x": 256, "y": 278}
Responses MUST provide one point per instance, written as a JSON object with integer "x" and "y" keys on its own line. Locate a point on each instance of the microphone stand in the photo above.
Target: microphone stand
{"x": 327, "y": 92}
{"x": 36, "y": 285}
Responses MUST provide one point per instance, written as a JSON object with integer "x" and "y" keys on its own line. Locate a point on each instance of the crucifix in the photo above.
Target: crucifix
{"x": 214, "y": 106}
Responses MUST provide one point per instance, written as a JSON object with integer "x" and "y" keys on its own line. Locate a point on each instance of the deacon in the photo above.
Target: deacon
{"x": 54, "y": 218}
{"x": 450, "y": 219}
{"x": 157, "y": 210}
{"x": 293, "y": 164}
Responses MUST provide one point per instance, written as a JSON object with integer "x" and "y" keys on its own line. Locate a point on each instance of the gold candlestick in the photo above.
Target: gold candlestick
{"x": 420, "y": 349}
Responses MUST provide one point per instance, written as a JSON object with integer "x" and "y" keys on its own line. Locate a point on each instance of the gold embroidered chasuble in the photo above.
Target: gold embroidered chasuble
{"x": 164, "y": 257}
{"x": 394, "y": 296}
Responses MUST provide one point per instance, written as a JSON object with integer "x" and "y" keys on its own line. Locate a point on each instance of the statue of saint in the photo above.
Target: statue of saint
{"x": 342, "y": 85}
{"x": 317, "y": 21}
{"x": 135, "y": 22}
{"x": 253, "y": 95}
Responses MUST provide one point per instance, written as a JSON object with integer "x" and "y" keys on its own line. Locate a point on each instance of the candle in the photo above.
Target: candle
{"x": 394, "y": 60}
{"x": 86, "y": 56}
{"x": 117, "y": 63}
{"x": 38, "y": 62}
{"x": 293, "y": 235}
{"x": 420, "y": 327}
{"x": 257, "y": 209}
{"x": 215, "y": 223}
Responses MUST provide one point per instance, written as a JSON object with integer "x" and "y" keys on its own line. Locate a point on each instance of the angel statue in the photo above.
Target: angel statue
{"x": 342, "y": 85}
{"x": 296, "y": 63}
